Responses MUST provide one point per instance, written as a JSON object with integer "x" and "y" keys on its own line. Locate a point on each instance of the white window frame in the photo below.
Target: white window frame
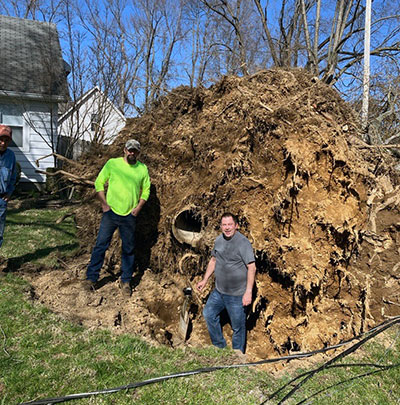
{"x": 25, "y": 128}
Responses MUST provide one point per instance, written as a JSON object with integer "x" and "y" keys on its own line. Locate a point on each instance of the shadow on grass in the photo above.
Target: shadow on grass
{"x": 39, "y": 224}
{"x": 14, "y": 263}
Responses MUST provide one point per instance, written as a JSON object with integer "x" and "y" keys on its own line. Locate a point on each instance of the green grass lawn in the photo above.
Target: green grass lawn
{"x": 42, "y": 355}
{"x": 34, "y": 236}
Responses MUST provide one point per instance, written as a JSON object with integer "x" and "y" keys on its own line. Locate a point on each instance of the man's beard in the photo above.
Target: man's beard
{"x": 131, "y": 159}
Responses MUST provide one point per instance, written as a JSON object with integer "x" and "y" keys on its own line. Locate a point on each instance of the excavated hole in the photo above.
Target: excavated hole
{"x": 187, "y": 227}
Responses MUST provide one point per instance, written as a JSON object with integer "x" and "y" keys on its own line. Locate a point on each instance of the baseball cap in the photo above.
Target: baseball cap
{"x": 133, "y": 144}
{"x": 5, "y": 130}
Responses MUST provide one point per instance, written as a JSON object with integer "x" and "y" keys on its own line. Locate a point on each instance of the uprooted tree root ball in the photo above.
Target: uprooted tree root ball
{"x": 282, "y": 150}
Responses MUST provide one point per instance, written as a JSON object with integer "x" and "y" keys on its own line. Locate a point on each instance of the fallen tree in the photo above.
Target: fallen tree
{"x": 282, "y": 150}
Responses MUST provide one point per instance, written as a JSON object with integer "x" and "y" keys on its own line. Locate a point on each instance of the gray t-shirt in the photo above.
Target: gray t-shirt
{"x": 232, "y": 257}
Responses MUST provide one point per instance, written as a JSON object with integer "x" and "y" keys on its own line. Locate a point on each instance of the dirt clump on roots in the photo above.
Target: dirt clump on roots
{"x": 283, "y": 151}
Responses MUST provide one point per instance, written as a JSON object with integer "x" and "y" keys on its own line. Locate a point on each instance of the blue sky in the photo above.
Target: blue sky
{"x": 182, "y": 51}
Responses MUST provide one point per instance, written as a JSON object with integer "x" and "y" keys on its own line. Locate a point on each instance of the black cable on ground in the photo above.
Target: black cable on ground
{"x": 379, "y": 366}
{"x": 373, "y": 332}
{"x": 383, "y": 368}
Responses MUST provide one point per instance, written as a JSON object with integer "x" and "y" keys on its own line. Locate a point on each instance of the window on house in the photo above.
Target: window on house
{"x": 17, "y": 136}
{"x": 95, "y": 122}
{"x": 13, "y": 117}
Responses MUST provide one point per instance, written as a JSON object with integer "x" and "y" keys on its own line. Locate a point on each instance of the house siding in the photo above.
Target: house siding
{"x": 75, "y": 125}
{"x": 37, "y": 129}
{"x": 33, "y": 79}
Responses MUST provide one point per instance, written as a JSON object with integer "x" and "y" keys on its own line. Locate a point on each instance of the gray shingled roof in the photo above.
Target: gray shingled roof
{"x": 31, "y": 60}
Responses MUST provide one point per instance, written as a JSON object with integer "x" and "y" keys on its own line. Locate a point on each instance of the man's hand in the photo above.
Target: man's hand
{"x": 105, "y": 207}
{"x": 251, "y": 274}
{"x": 135, "y": 211}
{"x": 247, "y": 298}
{"x": 6, "y": 197}
{"x": 210, "y": 270}
{"x": 138, "y": 208}
{"x": 201, "y": 284}
{"x": 102, "y": 198}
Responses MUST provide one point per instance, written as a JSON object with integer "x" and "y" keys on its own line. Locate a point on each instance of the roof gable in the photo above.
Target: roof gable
{"x": 31, "y": 59}
{"x": 87, "y": 98}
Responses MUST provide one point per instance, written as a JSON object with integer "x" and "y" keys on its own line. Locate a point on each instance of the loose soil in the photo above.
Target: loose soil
{"x": 283, "y": 151}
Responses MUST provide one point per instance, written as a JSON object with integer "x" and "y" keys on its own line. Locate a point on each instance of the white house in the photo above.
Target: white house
{"x": 32, "y": 83}
{"x": 93, "y": 118}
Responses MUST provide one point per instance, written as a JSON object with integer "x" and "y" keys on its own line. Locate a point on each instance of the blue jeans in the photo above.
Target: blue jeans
{"x": 216, "y": 303}
{"x": 3, "y": 212}
{"x": 109, "y": 223}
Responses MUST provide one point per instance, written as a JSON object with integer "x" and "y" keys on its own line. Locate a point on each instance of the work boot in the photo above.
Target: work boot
{"x": 240, "y": 355}
{"x": 88, "y": 285}
{"x": 125, "y": 289}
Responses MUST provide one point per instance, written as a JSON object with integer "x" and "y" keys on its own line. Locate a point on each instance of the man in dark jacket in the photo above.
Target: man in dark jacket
{"x": 8, "y": 174}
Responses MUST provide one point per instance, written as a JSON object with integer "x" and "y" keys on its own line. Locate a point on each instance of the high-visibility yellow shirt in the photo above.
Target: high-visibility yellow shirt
{"x": 127, "y": 184}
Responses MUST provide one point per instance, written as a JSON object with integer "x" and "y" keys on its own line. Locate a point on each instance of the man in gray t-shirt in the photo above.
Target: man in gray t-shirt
{"x": 233, "y": 263}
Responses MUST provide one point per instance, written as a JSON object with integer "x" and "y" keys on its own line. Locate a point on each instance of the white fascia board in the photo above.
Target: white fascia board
{"x": 33, "y": 96}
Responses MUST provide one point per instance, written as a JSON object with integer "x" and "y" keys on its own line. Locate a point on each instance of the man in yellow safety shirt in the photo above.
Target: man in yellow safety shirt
{"x": 128, "y": 190}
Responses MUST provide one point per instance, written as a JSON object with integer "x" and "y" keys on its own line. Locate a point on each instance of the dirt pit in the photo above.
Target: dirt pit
{"x": 283, "y": 151}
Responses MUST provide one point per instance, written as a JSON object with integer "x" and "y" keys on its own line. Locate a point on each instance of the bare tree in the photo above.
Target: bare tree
{"x": 312, "y": 50}
{"x": 303, "y": 35}
{"x": 263, "y": 12}
{"x": 159, "y": 23}
{"x": 135, "y": 50}
{"x": 200, "y": 37}
{"x": 384, "y": 105}
{"x": 231, "y": 12}
{"x": 43, "y": 10}
{"x": 114, "y": 50}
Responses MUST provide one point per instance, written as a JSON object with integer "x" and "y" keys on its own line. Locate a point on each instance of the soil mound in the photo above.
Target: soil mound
{"x": 281, "y": 150}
